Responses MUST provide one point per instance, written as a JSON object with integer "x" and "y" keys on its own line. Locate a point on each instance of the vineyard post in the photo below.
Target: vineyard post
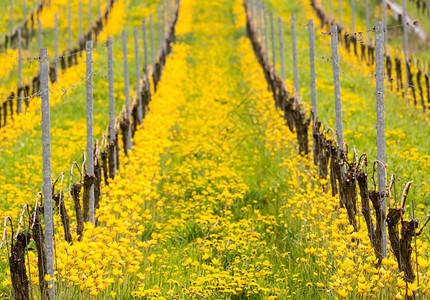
{"x": 428, "y": 7}
{"x": 90, "y": 12}
{"x": 25, "y": 10}
{"x": 295, "y": 68}
{"x": 256, "y": 25}
{"x": 416, "y": 249}
{"x": 380, "y": 126}
{"x": 384, "y": 9}
{"x": 249, "y": 5}
{"x": 159, "y": 26}
{"x": 281, "y": 48}
{"x": 137, "y": 62}
{"x": 111, "y": 102}
{"x": 322, "y": 4}
{"x": 169, "y": 12}
{"x": 331, "y": 8}
{"x": 272, "y": 32}
{"x": 164, "y": 19}
{"x": 126, "y": 88}
{"x": 266, "y": 32}
{"x": 405, "y": 37}
{"x": 99, "y": 9}
{"x": 336, "y": 82}
{"x": 56, "y": 47}
{"x": 368, "y": 22}
{"x": 69, "y": 28}
{"x": 312, "y": 64}
{"x": 11, "y": 17}
{"x": 39, "y": 33}
{"x": 340, "y": 11}
{"x": 251, "y": 9}
{"x": 259, "y": 25}
{"x": 353, "y": 16}
{"x": 19, "y": 100}
{"x": 145, "y": 48}
{"x": 90, "y": 137}
{"x": 151, "y": 25}
{"x": 80, "y": 20}
{"x": 47, "y": 189}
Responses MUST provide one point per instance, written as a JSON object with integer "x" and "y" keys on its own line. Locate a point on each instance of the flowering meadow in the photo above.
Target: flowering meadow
{"x": 214, "y": 201}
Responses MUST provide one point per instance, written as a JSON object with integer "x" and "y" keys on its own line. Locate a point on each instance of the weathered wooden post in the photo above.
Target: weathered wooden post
{"x": 272, "y": 32}
{"x": 380, "y": 127}
{"x": 112, "y": 134}
{"x": 336, "y": 82}
{"x": 281, "y": 48}
{"x": 138, "y": 88}
{"x": 90, "y": 130}
{"x": 47, "y": 188}
{"x": 312, "y": 65}
{"x": 295, "y": 67}
{"x": 56, "y": 47}
{"x": 19, "y": 99}
{"x": 405, "y": 45}
{"x": 126, "y": 88}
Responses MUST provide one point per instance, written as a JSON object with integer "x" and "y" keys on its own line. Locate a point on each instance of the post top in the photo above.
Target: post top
{"x": 89, "y": 45}
{"x": 333, "y": 29}
{"x": 44, "y": 53}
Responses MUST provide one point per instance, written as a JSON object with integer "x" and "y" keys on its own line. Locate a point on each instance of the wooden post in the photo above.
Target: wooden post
{"x": 47, "y": 188}
{"x": 384, "y": 10}
{"x": 145, "y": 48}
{"x": 272, "y": 32}
{"x": 80, "y": 20}
{"x": 295, "y": 68}
{"x": 367, "y": 22}
{"x": 25, "y": 11}
{"x": 159, "y": 27}
{"x": 258, "y": 21}
{"x": 163, "y": 20}
{"x": 312, "y": 65}
{"x": 428, "y": 8}
{"x": 380, "y": 127}
{"x": 138, "y": 88}
{"x": 11, "y": 18}
{"x": 56, "y": 47}
{"x": 336, "y": 82}
{"x": 353, "y": 16}
{"x": 281, "y": 48}
{"x": 90, "y": 21}
{"x": 151, "y": 25}
{"x": 90, "y": 134}
{"x": 19, "y": 99}
{"x": 405, "y": 37}
{"x": 39, "y": 33}
{"x": 331, "y": 8}
{"x": 111, "y": 104}
{"x": 69, "y": 28}
{"x": 266, "y": 32}
{"x": 126, "y": 88}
